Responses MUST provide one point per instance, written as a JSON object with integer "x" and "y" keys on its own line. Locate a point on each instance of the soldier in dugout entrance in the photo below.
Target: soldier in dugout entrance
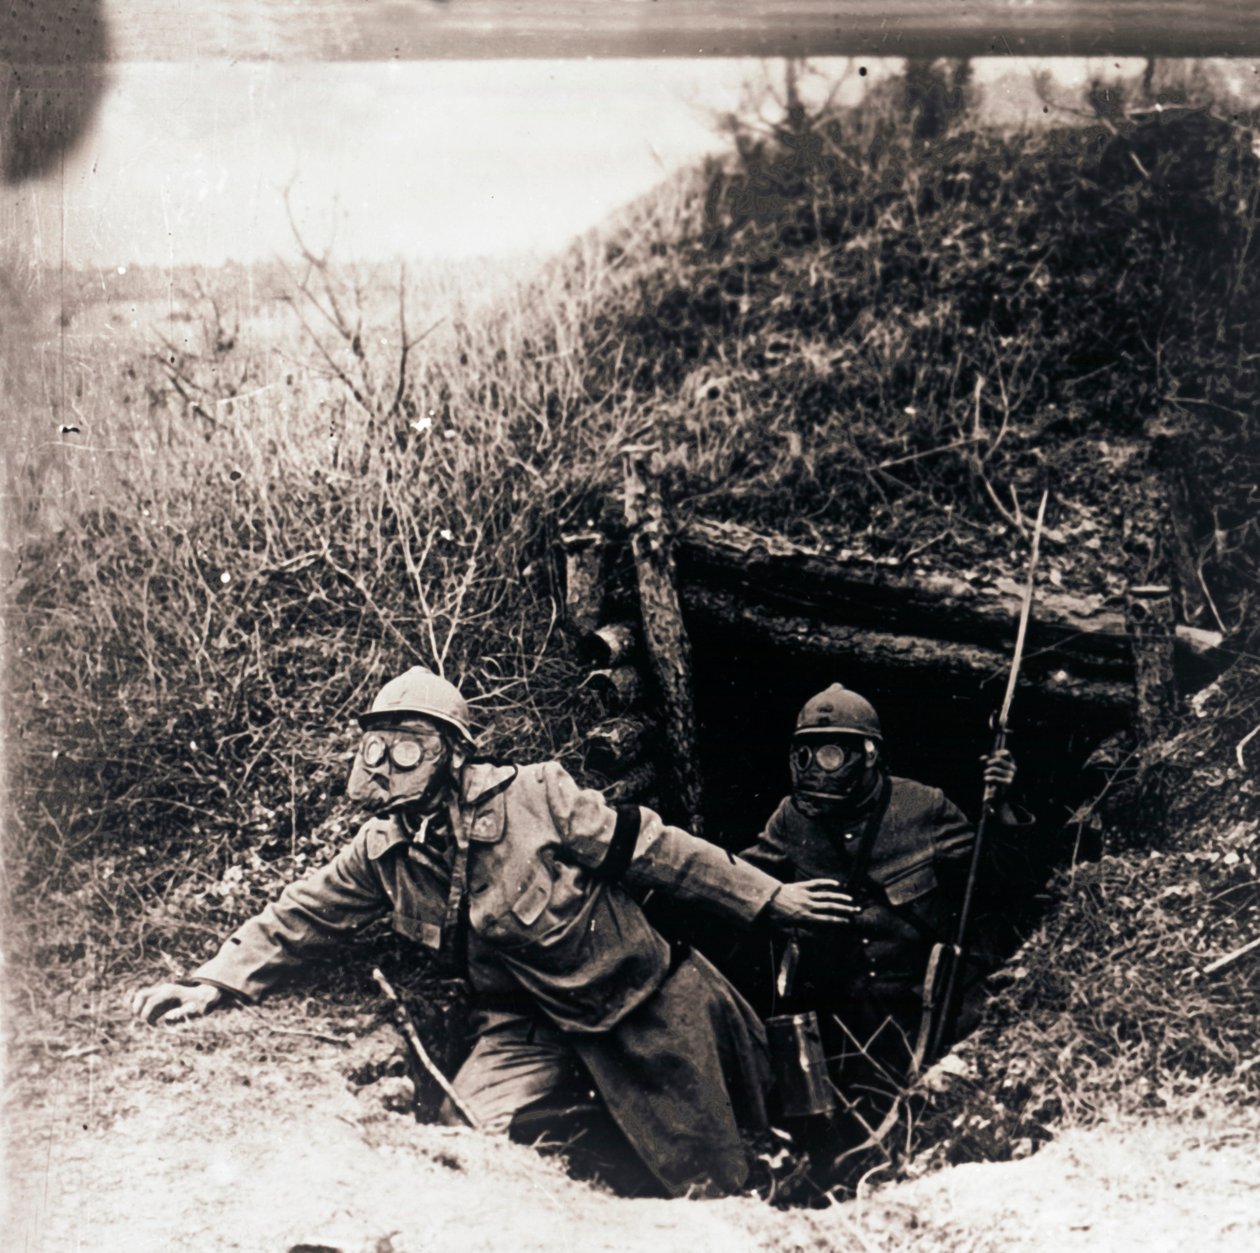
{"x": 899, "y": 853}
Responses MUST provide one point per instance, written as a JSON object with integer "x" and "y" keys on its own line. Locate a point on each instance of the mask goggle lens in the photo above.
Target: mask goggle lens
{"x": 405, "y": 754}
{"x": 829, "y": 757}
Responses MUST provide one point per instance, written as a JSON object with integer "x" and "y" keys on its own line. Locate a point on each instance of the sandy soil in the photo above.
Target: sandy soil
{"x": 1160, "y": 1185}
{"x": 238, "y": 1132}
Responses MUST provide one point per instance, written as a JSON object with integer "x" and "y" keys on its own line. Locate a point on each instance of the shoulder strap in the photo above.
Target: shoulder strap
{"x": 455, "y": 920}
{"x": 866, "y": 841}
{"x": 621, "y": 847}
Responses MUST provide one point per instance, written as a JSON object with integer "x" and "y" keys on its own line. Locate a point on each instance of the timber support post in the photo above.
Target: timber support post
{"x": 664, "y": 635}
{"x": 613, "y": 644}
{"x": 1150, "y": 619}
{"x": 584, "y": 559}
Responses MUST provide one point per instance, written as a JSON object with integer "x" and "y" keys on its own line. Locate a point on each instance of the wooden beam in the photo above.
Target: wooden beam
{"x": 664, "y": 634}
{"x": 1077, "y": 630}
{"x": 616, "y": 688}
{"x": 613, "y": 644}
{"x": 381, "y": 30}
{"x": 618, "y": 744}
{"x": 634, "y": 785}
{"x": 1150, "y": 614}
{"x": 584, "y": 560}
{"x": 965, "y": 669}
{"x": 1149, "y": 610}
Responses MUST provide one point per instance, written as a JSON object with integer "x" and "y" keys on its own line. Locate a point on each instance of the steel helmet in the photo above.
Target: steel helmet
{"x": 420, "y": 691}
{"x": 838, "y": 711}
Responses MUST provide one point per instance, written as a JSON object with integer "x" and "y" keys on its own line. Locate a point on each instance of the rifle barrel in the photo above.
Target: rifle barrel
{"x": 1025, "y": 612}
{"x": 945, "y": 1011}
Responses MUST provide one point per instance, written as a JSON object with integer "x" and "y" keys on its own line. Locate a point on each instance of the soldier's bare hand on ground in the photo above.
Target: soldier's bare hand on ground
{"x": 175, "y": 1002}
{"x": 999, "y": 769}
{"x": 812, "y": 903}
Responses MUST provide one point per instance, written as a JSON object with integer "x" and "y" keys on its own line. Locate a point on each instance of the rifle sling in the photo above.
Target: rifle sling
{"x": 866, "y": 841}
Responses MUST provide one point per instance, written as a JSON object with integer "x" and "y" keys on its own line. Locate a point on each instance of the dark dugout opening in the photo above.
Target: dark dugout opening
{"x": 747, "y": 698}
{"x": 748, "y": 693}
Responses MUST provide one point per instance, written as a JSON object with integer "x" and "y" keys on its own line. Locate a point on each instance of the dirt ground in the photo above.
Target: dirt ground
{"x": 241, "y": 1131}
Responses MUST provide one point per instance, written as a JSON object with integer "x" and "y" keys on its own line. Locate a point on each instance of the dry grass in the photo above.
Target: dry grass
{"x": 273, "y": 501}
{"x": 1111, "y": 1010}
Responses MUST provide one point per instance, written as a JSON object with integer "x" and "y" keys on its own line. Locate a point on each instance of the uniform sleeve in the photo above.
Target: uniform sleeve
{"x": 309, "y": 916}
{"x": 1007, "y": 857}
{"x": 633, "y": 841}
{"x": 953, "y": 833}
{"x": 1015, "y": 855}
{"x": 769, "y": 851}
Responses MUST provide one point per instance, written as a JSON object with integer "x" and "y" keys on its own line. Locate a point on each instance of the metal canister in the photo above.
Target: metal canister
{"x": 800, "y": 1065}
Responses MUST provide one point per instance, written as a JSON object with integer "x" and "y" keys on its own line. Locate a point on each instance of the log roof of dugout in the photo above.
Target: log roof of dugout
{"x": 960, "y": 630}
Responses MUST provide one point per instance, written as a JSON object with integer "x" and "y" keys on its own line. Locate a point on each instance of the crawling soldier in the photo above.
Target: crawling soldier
{"x": 521, "y": 880}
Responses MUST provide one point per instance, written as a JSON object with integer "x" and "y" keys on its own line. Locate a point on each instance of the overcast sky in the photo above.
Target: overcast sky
{"x": 188, "y": 162}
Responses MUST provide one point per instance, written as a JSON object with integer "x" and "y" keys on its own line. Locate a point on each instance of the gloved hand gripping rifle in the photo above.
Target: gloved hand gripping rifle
{"x": 943, "y": 982}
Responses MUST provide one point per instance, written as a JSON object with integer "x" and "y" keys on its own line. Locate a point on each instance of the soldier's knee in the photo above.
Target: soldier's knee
{"x": 490, "y": 1121}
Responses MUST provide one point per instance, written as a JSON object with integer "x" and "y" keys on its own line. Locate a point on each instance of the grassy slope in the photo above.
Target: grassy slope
{"x": 844, "y": 333}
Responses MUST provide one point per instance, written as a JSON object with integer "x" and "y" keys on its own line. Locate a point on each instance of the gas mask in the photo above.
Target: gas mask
{"x": 830, "y": 774}
{"x": 401, "y": 765}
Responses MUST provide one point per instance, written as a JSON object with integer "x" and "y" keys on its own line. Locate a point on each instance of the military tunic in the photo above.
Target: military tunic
{"x": 530, "y": 894}
{"x": 866, "y": 976}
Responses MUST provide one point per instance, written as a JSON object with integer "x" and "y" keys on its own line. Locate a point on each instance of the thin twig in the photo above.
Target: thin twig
{"x": 1007, "y": 516}
{"x": 297, "y": 1031}
{"x": 927, "y": 452}
{"x": 368, "y": 599}
{"x": 1230, "y": 958}
{"x": 1198, "y": 571}
{"x": 1238, "y": 749}
{"x": 402, "y": 1020}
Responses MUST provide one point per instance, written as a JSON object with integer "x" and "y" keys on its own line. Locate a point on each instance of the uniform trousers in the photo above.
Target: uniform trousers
{"x": 519, "y": 1060}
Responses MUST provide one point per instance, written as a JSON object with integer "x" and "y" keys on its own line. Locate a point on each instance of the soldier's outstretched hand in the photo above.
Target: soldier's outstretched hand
{"x": 812, "y": 903}
{"x": 174, "y": 1002}
{"x": 999, "y": 769}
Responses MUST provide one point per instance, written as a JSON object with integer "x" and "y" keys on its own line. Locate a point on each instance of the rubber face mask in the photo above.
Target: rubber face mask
{"x": 397, "y": 767}
{"x": 827, "y": 773}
